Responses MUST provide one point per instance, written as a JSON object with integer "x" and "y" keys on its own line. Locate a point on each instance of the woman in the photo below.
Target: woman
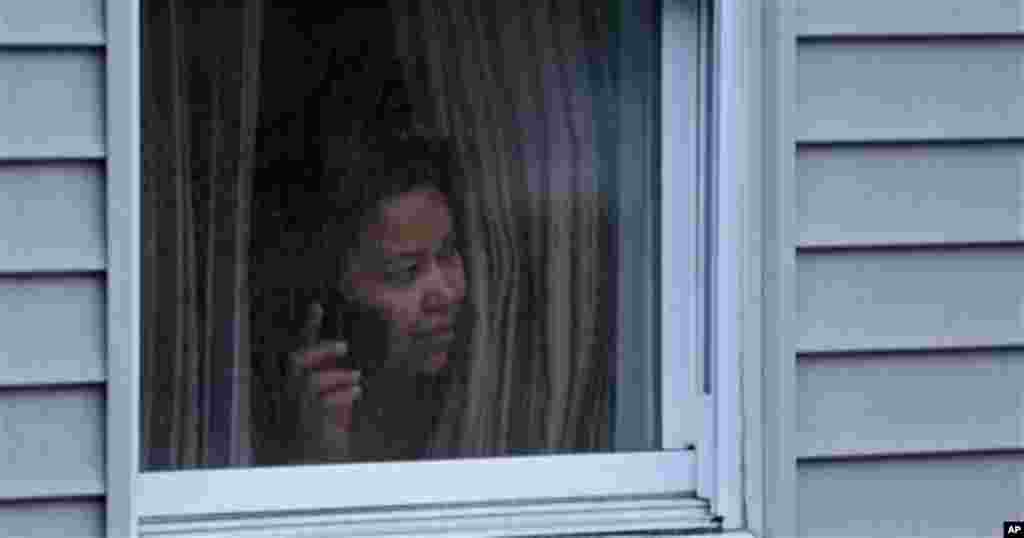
{"x": 383, "y": 367}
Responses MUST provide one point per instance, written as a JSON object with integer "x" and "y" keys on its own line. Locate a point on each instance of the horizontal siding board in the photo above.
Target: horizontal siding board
{"x": 53, "y": 519}
{"x": 910, "y": 498}
{"x": 910, "y": 193}
{"x": 843, "y": 17}
{"x": 52, "y": 217}
{"x": 51, "y": 102}
{"x": 53, "y": 330}
{"x": 892, "y": 404}
{"x": 72, "y": 22}
{"x": 52, "y": 441}
{"x": 927, "y": 89}
{"x": 910, "y": 300}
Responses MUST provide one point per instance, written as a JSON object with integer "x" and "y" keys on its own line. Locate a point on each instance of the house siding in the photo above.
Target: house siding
{"x": 52, "y": 269}
{"x": 907, "y": 17}
{"x": 52, "y": 22}
{"x": 908, "y": 137}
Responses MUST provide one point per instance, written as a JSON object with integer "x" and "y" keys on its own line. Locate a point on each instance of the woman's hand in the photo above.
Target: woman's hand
{"x": 336, "y": 388}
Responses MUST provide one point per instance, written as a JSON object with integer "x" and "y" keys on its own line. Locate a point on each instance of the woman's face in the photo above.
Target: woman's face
{"x": 410, "y": 273}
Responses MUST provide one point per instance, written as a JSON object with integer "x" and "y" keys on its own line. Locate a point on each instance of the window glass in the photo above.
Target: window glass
{"x": 415, "y": 231}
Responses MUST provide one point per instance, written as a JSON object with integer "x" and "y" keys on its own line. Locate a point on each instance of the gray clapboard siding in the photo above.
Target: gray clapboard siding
{"x": 52, "y": 442}
{"x": 831, "y": 17}
{"x": 53, "y": 330}
{"x": 957, "y": 497}
{"x": 52, "y": 519}
{"x": 927, "y": 89}
{"x": 891, "y": 404}
{"x": 52, "y": 217}
{"x": 51, "y": 102}
{"x": 48, "y": 22}
{"x": 918, "y": 299}
{"x": 910, "y": 193}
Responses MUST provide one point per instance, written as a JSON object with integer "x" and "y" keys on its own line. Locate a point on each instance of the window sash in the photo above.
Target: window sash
{"x": 686, "y": 414}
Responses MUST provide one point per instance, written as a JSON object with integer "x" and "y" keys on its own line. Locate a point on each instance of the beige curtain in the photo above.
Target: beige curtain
{"x": 201, "y": 90}
{"x": 520, "y": 86}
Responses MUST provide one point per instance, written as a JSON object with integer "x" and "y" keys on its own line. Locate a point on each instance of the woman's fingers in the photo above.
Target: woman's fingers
{"x": 337, "y": 388}
{"x": 322, "y": 355}
{"x": 327, "y": 381}
{"x": 340, "y": 398}
{"x": 343, "y": 397}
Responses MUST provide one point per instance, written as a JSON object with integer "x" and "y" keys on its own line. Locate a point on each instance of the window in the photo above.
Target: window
{"x": 643, "y": 488}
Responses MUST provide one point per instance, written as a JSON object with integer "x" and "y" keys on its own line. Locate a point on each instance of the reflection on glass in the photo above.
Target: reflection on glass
{"x": 396, "y": 233}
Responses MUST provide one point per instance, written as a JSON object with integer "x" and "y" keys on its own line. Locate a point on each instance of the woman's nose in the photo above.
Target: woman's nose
{"x": 443, "y": 285}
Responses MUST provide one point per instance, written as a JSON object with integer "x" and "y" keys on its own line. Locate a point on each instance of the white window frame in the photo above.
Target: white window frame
{"x": 596, "y": 492}
{"x": 726, "y": 320}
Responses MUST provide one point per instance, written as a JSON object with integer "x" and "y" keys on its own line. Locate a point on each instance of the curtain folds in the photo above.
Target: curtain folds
{"x": 201, "y": 81}
{"x": 525, "y": 91}
{"x": 518, "y": 86}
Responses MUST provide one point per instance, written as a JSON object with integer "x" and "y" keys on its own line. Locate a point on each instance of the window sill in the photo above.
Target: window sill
{"x": 522, "y": 496}
{"x": 512, "y": 519}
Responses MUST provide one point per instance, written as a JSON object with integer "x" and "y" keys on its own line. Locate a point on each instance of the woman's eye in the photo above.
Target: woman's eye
{"x": 402, "y": 275}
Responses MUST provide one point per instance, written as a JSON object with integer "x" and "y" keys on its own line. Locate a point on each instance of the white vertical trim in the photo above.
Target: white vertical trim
{"x": 748, "y": 468}
{"x": 681, "y": 338}
{"x": 1020, "y": 187}
{"x": 729, "y": 154}
{"x": 737, "y": 158}
{"x": 779, "y": 279}
{"x": 706, "y": 77}
{"x": 123, "y": 274}
{"x": 1020, "y": 182}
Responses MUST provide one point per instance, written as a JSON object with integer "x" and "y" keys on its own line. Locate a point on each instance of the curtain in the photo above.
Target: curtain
{"x": 201, "y": 82}
{"x": 523, "y": 88}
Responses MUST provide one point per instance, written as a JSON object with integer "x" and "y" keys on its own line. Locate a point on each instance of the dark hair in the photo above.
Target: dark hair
{"x": 359, "y": 181}
{"x": 357, "y": 185}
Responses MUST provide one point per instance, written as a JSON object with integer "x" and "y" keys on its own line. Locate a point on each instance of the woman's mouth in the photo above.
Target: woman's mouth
{"x": 440, "y": 330}
{"x": 442, "y": 335}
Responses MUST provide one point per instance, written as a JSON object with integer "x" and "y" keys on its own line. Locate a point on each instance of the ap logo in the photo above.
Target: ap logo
{"x": 1013, "y": 529}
